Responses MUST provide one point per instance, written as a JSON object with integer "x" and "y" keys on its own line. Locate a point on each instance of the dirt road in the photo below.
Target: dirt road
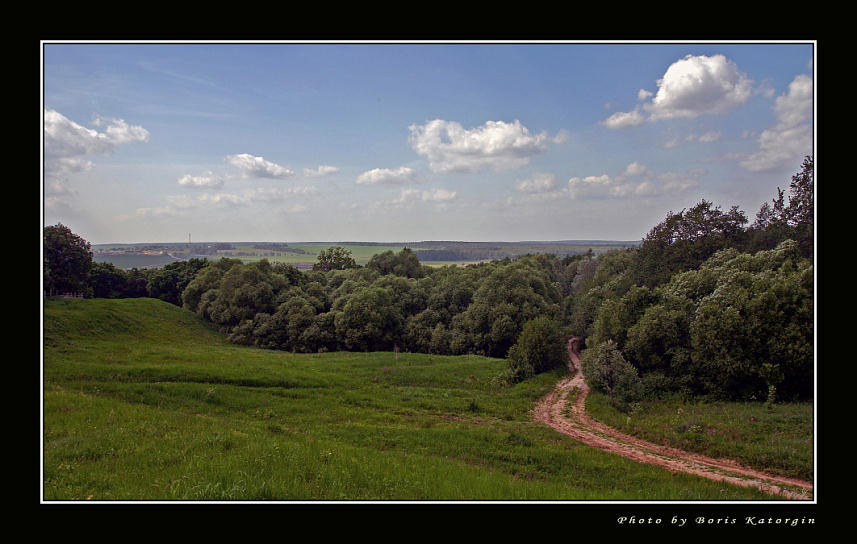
{"x": 572, "y": 420}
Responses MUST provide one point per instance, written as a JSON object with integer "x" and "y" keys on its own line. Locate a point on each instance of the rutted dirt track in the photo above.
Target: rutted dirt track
{"x": 573, "y": 421}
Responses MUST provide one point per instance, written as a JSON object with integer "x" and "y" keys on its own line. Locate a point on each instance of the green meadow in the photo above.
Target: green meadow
{"x": 145, "y": 401}
{"x": 777, "y": 438}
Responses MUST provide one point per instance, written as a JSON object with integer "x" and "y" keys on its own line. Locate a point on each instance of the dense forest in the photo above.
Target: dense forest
{"x": 709, "y": 304}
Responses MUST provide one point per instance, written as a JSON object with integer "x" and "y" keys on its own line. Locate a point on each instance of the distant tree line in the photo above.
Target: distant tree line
{"x": 706, "y": 305}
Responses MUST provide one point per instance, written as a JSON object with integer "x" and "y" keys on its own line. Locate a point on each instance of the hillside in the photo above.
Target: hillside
{"x": 143, "y": 400}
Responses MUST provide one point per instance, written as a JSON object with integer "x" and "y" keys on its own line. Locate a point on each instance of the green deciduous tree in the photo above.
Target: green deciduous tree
{"x": 794, "y": 219}
{"x": 369, "y": 321}
{"x": 66, "y": 261}
{"x": 404, "y": 263}
{"x": 606, "y": 370}
{"x": 334, "y": 258}
{"x": 683, "y": 240}
{"x": 541, "y": 346}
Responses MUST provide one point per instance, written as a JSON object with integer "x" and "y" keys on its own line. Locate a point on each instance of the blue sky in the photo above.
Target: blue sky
{"x": 147, "y": 142}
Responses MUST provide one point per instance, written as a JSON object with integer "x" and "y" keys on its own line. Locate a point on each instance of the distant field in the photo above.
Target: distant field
{"x": 361, "y": 254}
{"x": 144, "y": 400}
{"x": 135, "y": 261}
{"x": 434, "y": 253}
{"x": 437, "y": 264}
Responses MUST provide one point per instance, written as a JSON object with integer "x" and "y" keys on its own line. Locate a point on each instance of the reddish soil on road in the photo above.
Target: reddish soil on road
{"x": 553, "y": 409}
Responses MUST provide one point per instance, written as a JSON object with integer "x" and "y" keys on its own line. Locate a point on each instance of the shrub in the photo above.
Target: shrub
{"x": 606, "y": 370}
{"x": 540, "y": 347}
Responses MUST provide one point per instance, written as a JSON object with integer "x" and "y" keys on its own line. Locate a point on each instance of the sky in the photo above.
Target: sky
{"x": 412, "y": 141}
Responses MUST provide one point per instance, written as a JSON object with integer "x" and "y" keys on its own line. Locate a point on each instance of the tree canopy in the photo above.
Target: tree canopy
{"x": 334, "y": 258}
{"x": 66, "y": 261}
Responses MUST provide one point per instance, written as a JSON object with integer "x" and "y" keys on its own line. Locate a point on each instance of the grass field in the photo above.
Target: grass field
{"x": 135, "y": 261}
{"x": 143, "y": 400}
{"x": 778, "y": 439}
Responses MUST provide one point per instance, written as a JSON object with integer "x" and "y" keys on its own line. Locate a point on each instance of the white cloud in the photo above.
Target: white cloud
{"x": 385, "y": 176}
{"x": 795, "y": 107}
{"x": 497, "y": 145}
{"x": 624, "y": 119}
{"x": 206, "y": 181}
{"x": 120, "y": 132}
{"x": 322, "y": 170}
{"x": 64, "y": 138}
{"x": 649, "y": 184}
{"x": 412, "y": 196}
{"x": 676, "y": 182}
{"x": 791, "y": 138}
{"x": 710, "y": 136}
{"x": 65, "y": 142}
{"x": 561, "y": 137}
{"x": 636, "y": 169}
{"x": 696, "y": 85}
{"x": 691, "y": 86}
{"x": 181, "y": 204}
{"x": 537, "y": 183}
{"x": 258, "y": 167}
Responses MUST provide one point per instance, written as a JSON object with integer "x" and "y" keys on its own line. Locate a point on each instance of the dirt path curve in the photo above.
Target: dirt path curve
{"x": 574, "y": 422}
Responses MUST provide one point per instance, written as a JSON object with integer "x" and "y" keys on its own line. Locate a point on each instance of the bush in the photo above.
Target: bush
{"x": 540, "y": 347}
{"x": 606, "y": 370}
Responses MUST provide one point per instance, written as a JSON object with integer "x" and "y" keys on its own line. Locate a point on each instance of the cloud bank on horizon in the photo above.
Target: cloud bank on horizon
{"x": 470, "y": 142}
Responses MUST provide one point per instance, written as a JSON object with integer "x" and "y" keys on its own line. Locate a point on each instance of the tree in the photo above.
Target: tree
{"x": 509, "y": 296}
{"x": 540, "y": 347}
{"x": 369, "y": 320}
{"x": 779, "y": 220}
{"x": 606, "y": 370}
{"x": 404, "y": 263}
{"x": 169, "y": 282}
{"x": 334, "y": 258}
{"x": 682, "y": 241}
{"x": 67, "y": 261}
{"x": 107, "y": 281}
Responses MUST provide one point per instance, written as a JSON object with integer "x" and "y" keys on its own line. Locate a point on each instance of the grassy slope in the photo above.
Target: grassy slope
{"x": 143, "y": 400}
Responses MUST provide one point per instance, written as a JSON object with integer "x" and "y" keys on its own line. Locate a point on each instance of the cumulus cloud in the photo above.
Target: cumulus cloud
{"x": 624, "y": 119}
{"x": 206, "y": 181}
{"x": 258, "y": 167}
{"x": 496, "y": 145}
{"x": 691, "y": 86}
{"x": 791, "y": 138}
{"x": 66, "y": 142}
{"x": 696, "y": 85}
{"x": 64, "y": 138}
{"x": 537, "y": 183}
{"x": 120, "y": 132}
{"x": 386, "y": 176}
{"x": 322, "y": 170}
{"x": 636, "y": 169}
